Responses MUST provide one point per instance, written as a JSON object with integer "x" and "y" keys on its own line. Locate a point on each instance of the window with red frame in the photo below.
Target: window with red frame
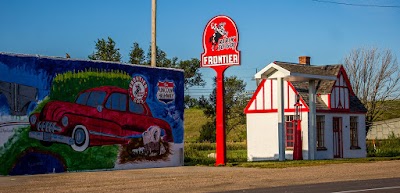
{"x": 289, "y": 127}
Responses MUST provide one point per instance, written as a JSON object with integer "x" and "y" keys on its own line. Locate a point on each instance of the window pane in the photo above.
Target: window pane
{"x": 135, "y": 108}
{"x": 82, "y": 98}
{"x": 320, "y": 130}
{"x": 354, "y": 131}
{"x": 117, "y": 101}
{"x": 96, "y": 98}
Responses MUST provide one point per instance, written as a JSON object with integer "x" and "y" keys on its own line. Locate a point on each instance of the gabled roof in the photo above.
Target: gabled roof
{"x": 294, "y": 72}
{"x": 324, "y": 86}
{"x": 299, "y": 74}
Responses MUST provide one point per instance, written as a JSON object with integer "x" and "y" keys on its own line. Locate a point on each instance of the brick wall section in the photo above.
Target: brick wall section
{"x": 382, "y": 129}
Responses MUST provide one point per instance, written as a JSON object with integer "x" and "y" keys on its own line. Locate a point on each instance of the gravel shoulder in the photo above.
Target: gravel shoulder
{"x": 196, "y": 178}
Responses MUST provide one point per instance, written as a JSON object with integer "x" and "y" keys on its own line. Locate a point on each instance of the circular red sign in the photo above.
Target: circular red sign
{"x": 138, "y": 89}
{"x": 220, "y": 42}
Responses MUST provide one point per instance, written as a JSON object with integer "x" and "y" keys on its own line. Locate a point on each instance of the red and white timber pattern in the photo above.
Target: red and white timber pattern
{"x": 264, "y": 99}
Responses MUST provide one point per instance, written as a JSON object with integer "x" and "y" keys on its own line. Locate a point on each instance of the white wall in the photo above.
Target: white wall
{"x": 347, "y": 152}
{"x": 262, "y": 136}
{"x": 355, "y": 153}
{"x": 328, "y": 136}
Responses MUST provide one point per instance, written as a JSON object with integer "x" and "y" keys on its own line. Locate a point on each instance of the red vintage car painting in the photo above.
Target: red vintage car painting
{"x": 99, "y": 116}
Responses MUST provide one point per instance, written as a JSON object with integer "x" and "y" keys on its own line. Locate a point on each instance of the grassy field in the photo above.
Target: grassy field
{"x": 393, "y": 110}
{"x": 193, "y": 120}
{"x": 198, "y": 154}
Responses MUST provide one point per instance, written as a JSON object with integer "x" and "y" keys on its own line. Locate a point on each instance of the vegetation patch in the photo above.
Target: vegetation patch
{"x": 102, "y": 157}
{"x": 204, "y": 153}
{"x": 66, "y": 86}
{"x": 384, "y": 148}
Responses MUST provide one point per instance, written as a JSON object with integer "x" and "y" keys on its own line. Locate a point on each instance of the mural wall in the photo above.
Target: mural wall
{"x": 59, "y": 115}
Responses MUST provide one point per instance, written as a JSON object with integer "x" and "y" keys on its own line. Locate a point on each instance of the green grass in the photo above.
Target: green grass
{"x": 384, "y": 148}
{"x": 102, "y": 157}
{"x": 193, "y": 120}
{"x": 392, "y": 111}
{"x": 197, "y": 153}
{"x": 66, "y": 86}
{"x": 304, "y": 163}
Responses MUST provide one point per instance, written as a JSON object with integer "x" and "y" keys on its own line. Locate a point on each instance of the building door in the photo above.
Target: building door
{"x": 337, "y": 137}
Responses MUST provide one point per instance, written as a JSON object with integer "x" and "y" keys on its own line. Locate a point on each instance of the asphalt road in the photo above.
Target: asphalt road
{"x": 385, "y": 185}
{"x": 383, "y": 176}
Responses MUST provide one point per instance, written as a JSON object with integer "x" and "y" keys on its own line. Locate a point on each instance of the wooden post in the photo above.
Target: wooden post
{"x": 153, "y": 33}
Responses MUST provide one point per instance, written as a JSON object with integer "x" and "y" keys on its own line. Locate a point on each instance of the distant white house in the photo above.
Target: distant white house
{"x": 339, "y": 116}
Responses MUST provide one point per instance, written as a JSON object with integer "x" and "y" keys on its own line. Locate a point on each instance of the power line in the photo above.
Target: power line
{"x": 359, "y": 5}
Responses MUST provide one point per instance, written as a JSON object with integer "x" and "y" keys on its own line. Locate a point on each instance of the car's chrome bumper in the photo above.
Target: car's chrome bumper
{"x": 51, "y": 137}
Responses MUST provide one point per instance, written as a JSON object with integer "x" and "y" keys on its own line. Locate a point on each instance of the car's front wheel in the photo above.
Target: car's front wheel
{"x": 81, "y": 138}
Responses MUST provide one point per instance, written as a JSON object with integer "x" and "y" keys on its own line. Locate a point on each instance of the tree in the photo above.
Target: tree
{"x": 235, "y": 102}
{"x": 374, "y": 76}
{"x": 192, "y": 75}
{"x": 136, "y": 56}
{"x": 190, "y": 102}
{"x": 105, "y": 50}
{"x": 191, "y": 67}
{"x": 161, "y": 59}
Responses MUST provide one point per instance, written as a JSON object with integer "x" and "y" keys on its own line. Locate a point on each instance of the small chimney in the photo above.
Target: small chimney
{"x": 304, "y": 60}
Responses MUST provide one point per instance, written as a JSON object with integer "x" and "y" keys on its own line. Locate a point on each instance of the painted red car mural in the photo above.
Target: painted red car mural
{"x": 100, "y": 116}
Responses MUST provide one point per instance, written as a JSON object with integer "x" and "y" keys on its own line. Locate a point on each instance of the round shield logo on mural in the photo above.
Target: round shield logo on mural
{"x": 220, "y": 42}
{"x": 138, "y": 89}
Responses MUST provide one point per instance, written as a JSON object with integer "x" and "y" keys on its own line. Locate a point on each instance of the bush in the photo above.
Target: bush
{"x": 66, "y": 86}
{"x": 197, "y": 153}
{"x": 207, "y": 132}
{"x": 384, "y": 148}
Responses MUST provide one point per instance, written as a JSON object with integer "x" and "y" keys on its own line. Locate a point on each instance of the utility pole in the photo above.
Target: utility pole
{"x": 153, "y": 33}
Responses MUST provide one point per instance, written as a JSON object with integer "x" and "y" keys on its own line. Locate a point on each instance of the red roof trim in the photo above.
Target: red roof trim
{"x": 302, "y": 110}
{"x": 346, "y": 78}
{"x": 274, "y": 111}
{"x": 346, "y": 111}
{"x": 301, "y": 99}
{"x": 253, "y": 98}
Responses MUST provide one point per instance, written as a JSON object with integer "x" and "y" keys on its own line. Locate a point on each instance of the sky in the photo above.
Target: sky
{"x": 269, "y": 30}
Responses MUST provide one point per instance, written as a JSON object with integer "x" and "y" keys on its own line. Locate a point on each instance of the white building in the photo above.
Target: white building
{"x": 333, "y": 124}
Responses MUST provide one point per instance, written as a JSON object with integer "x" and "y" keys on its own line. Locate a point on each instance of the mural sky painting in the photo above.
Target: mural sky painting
{"x": 269, "y": 30}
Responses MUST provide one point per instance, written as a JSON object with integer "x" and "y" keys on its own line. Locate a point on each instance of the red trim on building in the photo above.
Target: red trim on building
{"x": 263, "y": 97}
{"x": 272, "y": 96}
{"x": 329, "y": 101}
{"x": 339, "y": 111}
{"x": 346, "y": 79}
{"x": 305, "y": 105}
{"x": 275, "y": 111}
{"x": 288, "y": 95}
{"x": 253, "y": 98}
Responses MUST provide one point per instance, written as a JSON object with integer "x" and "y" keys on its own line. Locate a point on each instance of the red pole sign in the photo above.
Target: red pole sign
{"x": 220, "y": 42}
